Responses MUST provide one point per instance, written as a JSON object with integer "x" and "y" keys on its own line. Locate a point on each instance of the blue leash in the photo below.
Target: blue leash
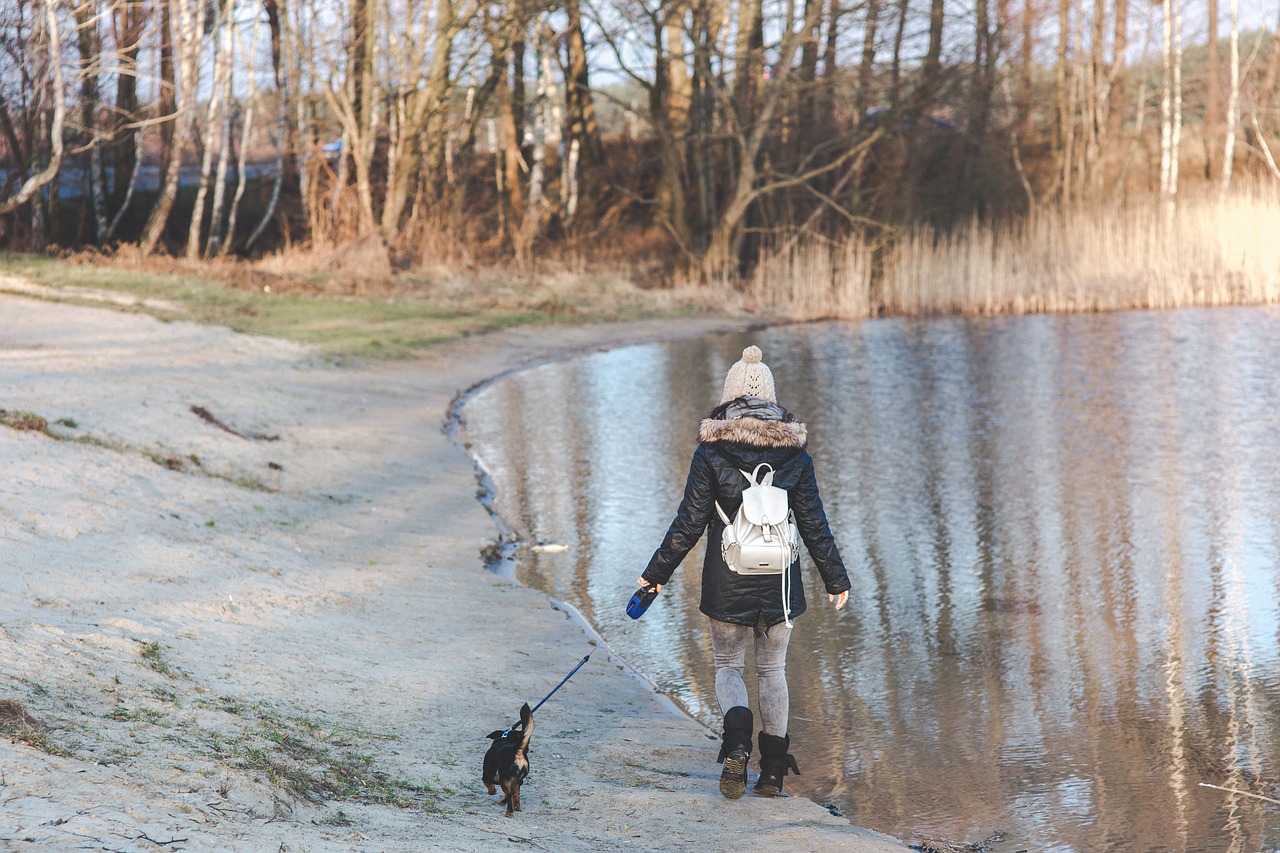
{"x": 581, "y": 664}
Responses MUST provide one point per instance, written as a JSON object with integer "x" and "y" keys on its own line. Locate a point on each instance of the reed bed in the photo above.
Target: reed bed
{"x": 1212, "y": 253}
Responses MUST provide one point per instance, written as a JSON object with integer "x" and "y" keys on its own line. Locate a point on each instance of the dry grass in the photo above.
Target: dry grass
{"x": 21, "y": 727}
{"x": 1212, "y": 254}
{"x": 24, "y": 421}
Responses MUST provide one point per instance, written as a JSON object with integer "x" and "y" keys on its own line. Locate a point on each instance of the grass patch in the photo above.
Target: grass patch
{"x": 139, "y": 715}
{"x": 19, "y": 726}
{"x": 306, "y": 758}
{"x": 319, "y": 763}
{"x": 408, "y": 314}
{"x": 24, "y": 421}
{"x": 338, "y": 818}
{"x": 154, "y": 658}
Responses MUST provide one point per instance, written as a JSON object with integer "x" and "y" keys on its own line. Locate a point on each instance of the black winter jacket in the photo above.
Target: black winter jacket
{"x": 725, "y": 448}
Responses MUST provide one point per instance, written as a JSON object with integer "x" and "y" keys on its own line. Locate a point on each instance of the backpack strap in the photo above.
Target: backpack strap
{"x": 723, "y": 517}
{"x": 754, "y": 477}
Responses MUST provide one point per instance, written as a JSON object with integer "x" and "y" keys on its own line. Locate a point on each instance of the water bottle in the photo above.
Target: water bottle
{"x": 640, "y": 600}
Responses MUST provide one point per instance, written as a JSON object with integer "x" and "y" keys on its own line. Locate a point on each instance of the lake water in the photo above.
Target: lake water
{"x": 1063, "y": 534}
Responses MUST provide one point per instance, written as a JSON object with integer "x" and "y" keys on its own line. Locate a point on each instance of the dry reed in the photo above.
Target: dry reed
{"x": 1213, "y": 253}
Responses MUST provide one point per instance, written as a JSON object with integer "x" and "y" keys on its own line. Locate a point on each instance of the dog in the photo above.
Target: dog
{"x": 506, "y": 763}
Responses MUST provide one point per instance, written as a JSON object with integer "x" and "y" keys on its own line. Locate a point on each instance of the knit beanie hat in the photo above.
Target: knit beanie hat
{"x": 749, "y": 376}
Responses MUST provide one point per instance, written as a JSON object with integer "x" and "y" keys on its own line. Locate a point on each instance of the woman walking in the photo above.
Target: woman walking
{"x": 746, "y": 431}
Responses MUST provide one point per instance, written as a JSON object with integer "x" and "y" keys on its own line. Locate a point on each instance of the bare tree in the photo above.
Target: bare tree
{"x": 89, "y": 43}
{"x": 1213, "y": 90}
{"x": 218, "y": 116}
{"x": 1233, "y": 102}
{"x": 189, "y": 42}
{"x": 584, "y": 133}
{"x": 40, "y": 179}
{"x": 282, "y": 94}
{"x": 1170, "y": 106}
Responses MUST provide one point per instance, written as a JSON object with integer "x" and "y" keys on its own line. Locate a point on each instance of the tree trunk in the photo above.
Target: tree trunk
{"x": 224, "y": 144}
{"x": 1212, "y": 93}
{"x": 509, "y": 140}
{"x": 1062, "y": 123}
{"x": 536, "y": 213}
{"x": 241, "y": 179}
{"x": 283, "y": 134}
{"x": 1119, "y": 79}
{"x": 895, "y": 72}
{"x": 679, "y": 86}
{"x": 750, "y": 62}
{"x": 866, "y": 68}
{"x": 583, "y": 129}
{"x": 189, "y": 40}
{"x": 669, "y": 196}
{"x": 982, "y": 87}
{"x": 1026, "y": 66}
{"x": 49, "y": 172}
{"x": 702, "y": 155}
{"x": 364, "y": 106}
{"x": 221, "y": 69}
{"x": 1267, "y": 93}
{"x": 168, "y": 96}
{"x": 129, "y": 22}
{"x": 1170, "y": 107}
{"x": 89, "y": 44}
{"x": 419, "y": 144}
{"x": 1233, "y": 103}
{"x": 808, "y": 72}
{"x": 931, "y": 69}
{"x": 129, "y": 189}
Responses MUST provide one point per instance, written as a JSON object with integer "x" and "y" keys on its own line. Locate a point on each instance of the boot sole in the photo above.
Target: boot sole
{"x": 733, "y": 779}
{"x": 768, "y": 791}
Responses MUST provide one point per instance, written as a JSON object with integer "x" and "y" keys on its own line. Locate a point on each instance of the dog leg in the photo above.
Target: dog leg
{"x": 509, "y": 799}
{"x": 516, "y": 792}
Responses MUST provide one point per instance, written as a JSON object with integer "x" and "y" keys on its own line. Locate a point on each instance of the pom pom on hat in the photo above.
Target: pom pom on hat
{"x": 750, "y": 376}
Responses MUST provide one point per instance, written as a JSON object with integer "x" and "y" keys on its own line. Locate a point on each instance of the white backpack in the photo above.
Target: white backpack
{"x": 762, "y": 538}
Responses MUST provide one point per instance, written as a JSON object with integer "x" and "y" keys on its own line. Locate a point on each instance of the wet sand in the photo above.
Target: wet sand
{"x": 219, "y": 627}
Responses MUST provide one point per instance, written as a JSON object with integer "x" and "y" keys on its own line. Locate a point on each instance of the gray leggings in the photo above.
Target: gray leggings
{"x": 729, "y": 652}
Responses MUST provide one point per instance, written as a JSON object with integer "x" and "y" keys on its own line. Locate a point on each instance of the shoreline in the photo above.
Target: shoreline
{"x": 293, "y": 644}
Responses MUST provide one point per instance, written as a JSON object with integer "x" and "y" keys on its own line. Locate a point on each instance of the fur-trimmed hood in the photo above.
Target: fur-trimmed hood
{"x": 754, "y": 422}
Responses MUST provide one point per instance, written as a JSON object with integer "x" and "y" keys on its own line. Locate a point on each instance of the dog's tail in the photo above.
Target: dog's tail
{"x": 526, "y": 724}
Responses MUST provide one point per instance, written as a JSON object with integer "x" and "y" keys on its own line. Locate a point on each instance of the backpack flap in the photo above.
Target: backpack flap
{"x": 765, "y": 505}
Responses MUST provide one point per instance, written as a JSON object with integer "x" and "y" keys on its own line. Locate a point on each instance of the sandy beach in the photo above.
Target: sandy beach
{"x": 243, "y": 606}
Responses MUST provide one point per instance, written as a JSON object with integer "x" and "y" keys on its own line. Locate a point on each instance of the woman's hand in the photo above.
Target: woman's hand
{"x": 645, "y": 583}
{"x": 840, "y": 599}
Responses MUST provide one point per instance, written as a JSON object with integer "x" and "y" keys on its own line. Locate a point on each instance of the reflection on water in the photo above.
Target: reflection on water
{"x": 1062, "y": 534}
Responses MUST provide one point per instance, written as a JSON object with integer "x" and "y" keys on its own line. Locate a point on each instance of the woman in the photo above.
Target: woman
{"x": 747, "y": 429}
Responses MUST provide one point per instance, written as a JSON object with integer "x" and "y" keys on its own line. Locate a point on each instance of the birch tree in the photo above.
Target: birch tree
{"x": 1170, "y": 106}
{"x": 189, "y": 42}
{"x": 217, "y": 116}
{"x": 89, "y": 43}
{"x": 1233, "y": 103}
{"x": 37, "y": 181}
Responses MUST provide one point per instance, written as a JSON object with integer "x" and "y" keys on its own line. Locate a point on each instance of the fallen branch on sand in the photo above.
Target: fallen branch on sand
{"x": 207, "y": 416}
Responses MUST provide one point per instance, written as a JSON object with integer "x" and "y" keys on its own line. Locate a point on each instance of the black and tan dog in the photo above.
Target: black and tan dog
{"x": 506, "y": 764}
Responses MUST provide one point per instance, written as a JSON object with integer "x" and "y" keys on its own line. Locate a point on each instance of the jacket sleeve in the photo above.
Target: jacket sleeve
{"x": 811, "y": 518}
{"x": 691, "y": 519}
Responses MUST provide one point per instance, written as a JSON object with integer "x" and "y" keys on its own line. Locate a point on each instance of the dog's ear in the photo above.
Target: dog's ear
{"x": 525, "y": 713}
{"x": 494, "y": 735}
